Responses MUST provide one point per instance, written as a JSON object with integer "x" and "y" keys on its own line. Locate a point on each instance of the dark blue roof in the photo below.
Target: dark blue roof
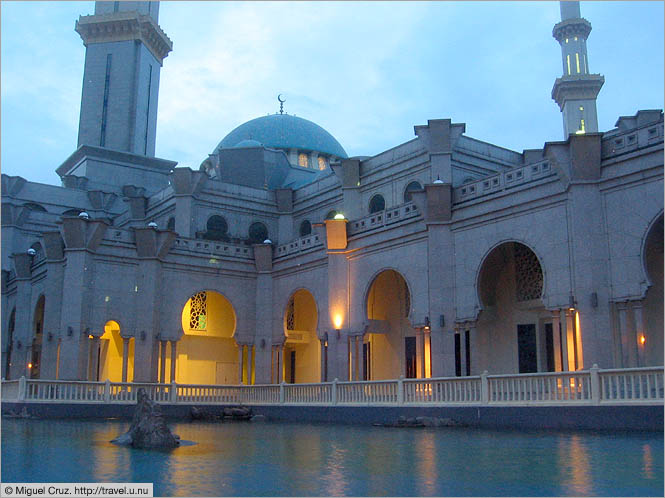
{"x": 283, "y": 131}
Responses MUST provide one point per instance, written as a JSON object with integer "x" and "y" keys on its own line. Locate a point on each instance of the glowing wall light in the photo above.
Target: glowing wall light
{"x": 642, "y": 340}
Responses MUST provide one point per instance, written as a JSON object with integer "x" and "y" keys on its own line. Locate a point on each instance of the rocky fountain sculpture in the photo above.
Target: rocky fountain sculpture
{"x": 148, "y": 429}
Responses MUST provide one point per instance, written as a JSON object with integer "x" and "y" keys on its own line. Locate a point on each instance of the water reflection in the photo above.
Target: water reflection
{"x": 243, "y": 459}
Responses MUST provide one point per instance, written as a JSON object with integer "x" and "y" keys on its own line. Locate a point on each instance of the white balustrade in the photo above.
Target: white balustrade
{"x": 616, "y": 386}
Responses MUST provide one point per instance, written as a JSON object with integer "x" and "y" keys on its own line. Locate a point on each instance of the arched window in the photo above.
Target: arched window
{"x": 72, "y": 212}
{"x": 34, "y": 207}
{"x": 216, "y": 228}
{"x": 170, "y": 225}
{"x": 257, "y": 232}
{"x": 322, "y": 163}
{"x": 376, "y": 204}
{"x": 411, "y": 187}
{"x": 331, "y": 214}
{"x": 303, "y": 161}
{"x": 305, "y": 228}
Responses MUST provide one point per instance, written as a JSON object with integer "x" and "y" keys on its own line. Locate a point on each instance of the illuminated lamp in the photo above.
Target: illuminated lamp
{"x": 643, "y": 339}
{"x": 571, "y": 302}
{"x": 31, "y": 252}
{"x": 337, "y": 321}
{"x": 339, "y": 216}
{"x": 427, "y": 323}
{"x": 29, "y": 365}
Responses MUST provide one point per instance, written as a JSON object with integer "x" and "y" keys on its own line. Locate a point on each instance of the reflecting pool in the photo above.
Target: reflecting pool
{"x": 271, "y": 459}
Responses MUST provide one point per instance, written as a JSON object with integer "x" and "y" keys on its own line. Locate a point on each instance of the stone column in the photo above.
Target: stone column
{"x": 622, "y": 309}
{"x": 173, "y": 360}
{"x": 241, "y": 362}
{"x": 250, "y": 363}
{"x": 162, "y": 362}
{"x": 570, "y": 339}
{"x": 358, "y": 362}
{"x": 94, "y": 368}
{"x": 639, "y": 333}
{"x": 556, "y": 340}
{"x": 473, "y": 344}
{"x": 420, "y": 354}
{"x": 125, "y": 354}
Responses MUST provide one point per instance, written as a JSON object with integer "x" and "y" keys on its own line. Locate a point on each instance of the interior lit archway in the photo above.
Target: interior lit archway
{"x": 111, "y": 352}
{"x": 389, "y": 346}
{"x": 302, "y": 348}
{"x": 207, "y": 353}
{"x": 34, "y": 363}
{"x": 652, "y": 342}
{"x": 514, "y": 330}
{"x": 11, "y": 325}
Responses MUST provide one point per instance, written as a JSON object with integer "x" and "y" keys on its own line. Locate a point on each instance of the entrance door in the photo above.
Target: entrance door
{"x": 526, "y": 348}
{"x": 410, "y": 350}
{"x": 549, "y": 347}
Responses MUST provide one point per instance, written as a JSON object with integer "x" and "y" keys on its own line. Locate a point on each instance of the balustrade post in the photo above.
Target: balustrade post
{"x": 334, "y": 391}
{"x": 484, "y": 388}
{"x": 20, "y": 396}
{"x": 595, "y": 385}
{"x": 281, "y": 393}
{"x": 173, "y": 393}
{"x": 400, "y": 390}
{"x": 107, "y": 391}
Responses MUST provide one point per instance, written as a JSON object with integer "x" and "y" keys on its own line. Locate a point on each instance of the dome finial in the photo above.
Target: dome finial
{"x": 281, "y": 103}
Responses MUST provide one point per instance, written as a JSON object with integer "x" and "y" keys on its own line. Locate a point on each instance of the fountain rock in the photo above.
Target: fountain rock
{"x": 148, "y": 429}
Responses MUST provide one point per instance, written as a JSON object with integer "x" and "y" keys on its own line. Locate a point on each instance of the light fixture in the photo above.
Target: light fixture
{"x": 442, "y": 321}
{"x": 594, "y": 299}
{"x": 31, "y": 252}
{"x": 426, "y": 323}
{"x": 70, "y": 331}
{"x": 142, "y": 335}
{"x": 338, "y": 216}
{"x": 267, "y": 241}
{"x": 643, "y": 339}
{"x": 571, "y": 302}
{"x": 50, "y": 336}
{"x": 263, "y": 343}
{"x": 84, "y": 216}
{"x": 29, "y": 365}
{"x": 438, "y": 180}
{"x": 152, "y": 225}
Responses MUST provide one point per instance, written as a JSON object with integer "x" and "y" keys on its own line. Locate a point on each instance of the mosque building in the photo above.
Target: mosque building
{"x": 282, "y": 259}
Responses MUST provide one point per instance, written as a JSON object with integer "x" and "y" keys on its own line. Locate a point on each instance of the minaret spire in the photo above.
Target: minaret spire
{"x": 576, "y": 90}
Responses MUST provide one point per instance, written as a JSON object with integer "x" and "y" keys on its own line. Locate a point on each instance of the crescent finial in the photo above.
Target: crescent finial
{"x": 281, "y": 103}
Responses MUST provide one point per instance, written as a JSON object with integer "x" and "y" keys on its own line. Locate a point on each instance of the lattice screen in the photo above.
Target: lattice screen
{"x": 198, "y": 312}
{"x": 291, "y": 315}
{"x": 528, "y": 274}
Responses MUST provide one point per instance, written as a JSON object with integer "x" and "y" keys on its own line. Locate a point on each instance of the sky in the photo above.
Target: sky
{"x": 365, "y": 71}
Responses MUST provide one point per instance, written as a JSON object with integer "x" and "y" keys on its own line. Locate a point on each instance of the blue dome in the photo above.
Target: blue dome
{"x": 283, "y": 131}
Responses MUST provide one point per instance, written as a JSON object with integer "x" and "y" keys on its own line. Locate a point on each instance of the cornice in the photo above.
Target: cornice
{"x": 124, "y": 26}
{"x": 570, "y": 28}
{"x": 577, "y": 88}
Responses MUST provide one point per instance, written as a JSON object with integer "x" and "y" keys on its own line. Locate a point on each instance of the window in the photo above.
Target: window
{"x": 411, "y": 187}
{"x": 198, "y": 312}
{"x": 376, "y": 204}
{"x": 303, "y": 161}
{"x": 32, "y": 206}
{"x": 170, "y": 225}
{"x": 322, "y": 163}
{"x": 257, "y": 232}
{"x": 216, "y": 228}
{"x": 305, "y": 228}
{"x": 291, "y": 314}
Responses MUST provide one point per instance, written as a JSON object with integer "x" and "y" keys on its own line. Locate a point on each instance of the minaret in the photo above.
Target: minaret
{"x": 576, "y": 90}
{"x": 125, "y": 48}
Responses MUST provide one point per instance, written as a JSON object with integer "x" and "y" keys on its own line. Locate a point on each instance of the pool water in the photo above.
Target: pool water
{"x": 277, "y": 459}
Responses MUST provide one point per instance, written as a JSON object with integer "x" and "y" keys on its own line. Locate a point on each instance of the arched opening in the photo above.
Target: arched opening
{"x": 258, "y": 232}
{"x": 33, "y": 206}
{"x": 305, "y": 228}
{"x": 34, "y": 365}
{"x": 514, "y": 330}
{"x": 331, "y": 214}
{"x": 410, "y": 188}
{"x": 216, "y": 228}
{"x": 207, "y": 353}
{"x": 72, "y": 212}
{"x": 112, "y": 353}
{"x": 11, "y": 325}
{"x": 650, "y": 347}
{"x": 302, "y": 349}
{"x": 377, "y": 203}
{"x": 389, "y": 346}
{"x": 170, "y": 225}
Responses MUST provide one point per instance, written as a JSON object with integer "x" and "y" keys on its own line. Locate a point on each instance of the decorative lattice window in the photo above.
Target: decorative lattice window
{"x": 198, "y": 312}
{"x": 322, "y": 163}
{"x": 528, "y": 274}
{"x": 291, "y": 315}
